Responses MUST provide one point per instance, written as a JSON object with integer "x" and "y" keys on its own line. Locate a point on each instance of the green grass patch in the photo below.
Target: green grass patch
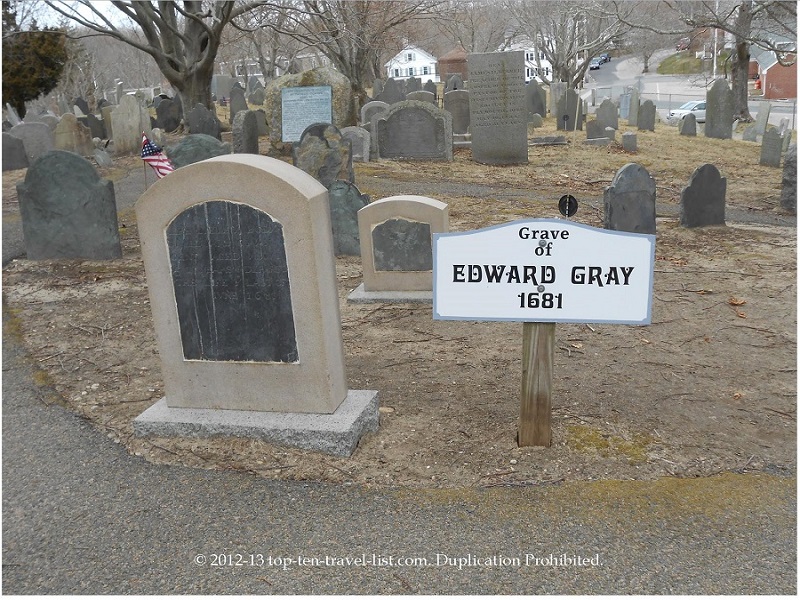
{"x": 685, "y": 63}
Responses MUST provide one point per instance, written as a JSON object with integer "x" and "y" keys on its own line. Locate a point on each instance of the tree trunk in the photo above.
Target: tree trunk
{"x": 195, "y": 88}
{"x": 740, "y": 65}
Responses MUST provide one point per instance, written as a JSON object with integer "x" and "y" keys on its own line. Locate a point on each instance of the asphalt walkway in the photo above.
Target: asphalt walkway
{"x": 81, "y": 516}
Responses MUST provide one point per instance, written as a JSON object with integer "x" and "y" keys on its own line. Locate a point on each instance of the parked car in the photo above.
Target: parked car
{"x": 604, "y": 57}
{"x": 594, "y": 64}
{"x": 696, "y": 107}
{"x": 683, "y": 44}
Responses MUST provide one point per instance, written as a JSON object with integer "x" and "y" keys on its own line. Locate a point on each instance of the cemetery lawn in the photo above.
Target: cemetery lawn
{"x": 708, "y": 387}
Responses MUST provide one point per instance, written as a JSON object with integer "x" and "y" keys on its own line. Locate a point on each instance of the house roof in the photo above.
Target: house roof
{"x": 411, "y": 47}
{"x": 455, "y": 54}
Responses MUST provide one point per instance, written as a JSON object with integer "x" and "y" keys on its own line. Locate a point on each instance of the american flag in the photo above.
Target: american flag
{"x": 152, "y": 155}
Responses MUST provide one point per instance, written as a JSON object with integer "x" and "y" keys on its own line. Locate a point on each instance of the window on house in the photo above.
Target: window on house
{"x": 426, "y": 70}
{"x": 409, "y": 56}
{"x": 397, "y": 72}
{"x": 410, "y": 71}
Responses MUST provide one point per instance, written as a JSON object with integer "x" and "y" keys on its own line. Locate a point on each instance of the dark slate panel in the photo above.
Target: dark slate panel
{"x": 401, "y": 245}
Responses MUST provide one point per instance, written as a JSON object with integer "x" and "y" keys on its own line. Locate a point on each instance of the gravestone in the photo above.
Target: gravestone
{"x": 569, "y": 106}
{"x": 633, "y": 107}
{"x": 257, "y": 97}
{"x": 202, "y": 120}
{"x": 359, "y": 139}
{"x": 103, "y": 158}
{"x": 771, "y": 148}
{"x": 244, "y": 300}
{"x": 719, "y": 111}
{"x": 630, "y": 201}
{"x": 535, "y": 99}
{"x": 611, "y": 134}
{"x": 430, "y": 86}
{"x": 12, "y": 115}
{"x": 606, "y": 114}
{"x": 370, "y": 109}
{"x": 14, "y": 156}
{"x": 38, "y": 138}
{"x": 391, "y": 92}
{"x": 789, "y": 181}
{"x": 324, "y": 154}
{"x": 67, "y": 210}
{"x": 454, "y": 82}
{"x": 414, "y": 130}
{"x": 688, "y": 125}
{"x": 72, "y": 136}
{"x": 497, "y": 112}
{"x": 96, "y": 127}
{"x": 105, "y": 116}
{"x": 303, "y": 106}
{"x": 624, "y": 105}
{"x": 413, "y": 84}
{"x": 629, "y": 142}
{"x": 82, "y": 106}
{"x": 128, "y": 120}
{"x": 535, "y": 120}
{"x": 457, "y": 104}
{"x": 787, "y": 139}
{"x": 195, "y": 148}
{"x": 595, "y": 130}
{"x": 345, "y": 201}
{"x": 244, "y": 132}
{"x": 237, "y": 101}
{"x": 422, "y": 96}
{"x": 646, "y": 120}
{"x": 762, "y": 118}
{"x": 396, "y": 247}
{"x": 169, "y": 114}
{"x": 557, "y": 90}
{"x": 703, "y": 200}
{"x": 377, "y": 87}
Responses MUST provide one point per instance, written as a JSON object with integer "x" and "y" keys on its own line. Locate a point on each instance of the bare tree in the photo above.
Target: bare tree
{"x": 475, "y": 26}
{"x": 182, "y": 37}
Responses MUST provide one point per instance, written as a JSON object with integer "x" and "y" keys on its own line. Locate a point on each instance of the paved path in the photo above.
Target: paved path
{"x": 81, "y": 516}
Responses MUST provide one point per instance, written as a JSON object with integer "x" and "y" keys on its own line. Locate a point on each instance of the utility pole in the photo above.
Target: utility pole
{"x": 716, "y": 32}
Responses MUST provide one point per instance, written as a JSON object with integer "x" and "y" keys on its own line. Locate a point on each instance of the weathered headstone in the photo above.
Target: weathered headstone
{"x": 629, "y": 142}
{"x": 370, "y": 109}
{"x": 535, "y": 99}
{"x": 421, "y": 96}
{"x": 257, "y": 96}
{"x": 498, "y": 115}
{"x": 396, "y": 242}
{"x": 377, "y": 87}
{"x": 194, "y": 148}
{"x": 611, "y": 133}
{"x": 244, "y": 132}
{"x": 457, "y": 104}
{"x": 595, "y": 130}
{"x": 719, "y": 111}
{"x": 96, "y": 127}
{"x": 345, "y": 201}
{"x": 38, "y": 138}
{"x": 454, "y": 82}
{"x": 303, "y": 106}
{"x": 14, "y": 156}
{"x": 771, "y": 148}
{"x": 67, "y": 210}
{"x": 248, "y": 326}
{"x": 391, "y": 92}
{"x": 688, "y": 125}
{"x": 624, "y": 105}
{"x": 169, "y": 114}
{"x": 762, "y": 118}
{"x": 630, "y": 201}
{"x": 789, "y": 181}
{"x": 105, "y": 116}
{"x": 633, "y": 107}
{"x": 606, "y": 114}
{"x": 557, "y": 90}
{"x": 12, "y": 115}
{"x": 569, "y": 106}
{"x": 324, "y": 154}
{"x": 202, "y": 120}
{"x": 414, "y": 130}
{"x": 72, "y": 136}
{"x": 82, "y": 106}
{"x": 237, "y": 101}
{"x": 703, "y": 200}
{"x": 431, "y": 87}
{"x": 646, "y": 120}
{"x": 359, "y": 139}
{"x": 535, "y": 120}
{"x": 128, "y": 120}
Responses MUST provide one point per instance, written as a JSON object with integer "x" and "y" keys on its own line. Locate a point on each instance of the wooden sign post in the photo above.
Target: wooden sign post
{"x": 542, "y": 272}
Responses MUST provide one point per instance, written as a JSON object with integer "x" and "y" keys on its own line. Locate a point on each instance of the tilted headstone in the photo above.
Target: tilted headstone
{"x": 128, "y": 120}
{"x": 762, "y": 118}
{"x": 67, "y": 210}
{"x": 12, "y": 115}
{"x": 422, "y": 96}
{"x": 789, "y": 181}
{"x": 629, "y": 142}
{"x": 535, "y": 99}
{"x": 633, "y": 107}
{"x": 239, "y": 261}
{"x": 169, "y": 114}
{"x": 414, "y": 130}
{"x": 82, "y": 106}
{"x": 194, "y": 148}
{"x": 237, "y": 102}
{"x": 345, "y": 201}
{"x": 396, "y": 242}
{"x": 703, "y": 200}
{"x": 370, "y": 109}
{"x": 360, "y": 143}
{"x": 630, "y": 201}
{"x": 719, "y": 111}
{"x": 38, "y": 138}
{"x": 244, "y": 132}
{"x": 103, "y": 158}
{"x": 569, "y": 106}
{"x": 257, "y": 97}
{"x": 14, "y": 156}
{"x": 457, "y": 104}
{"x": 595, "y": 130}
{"x": 72, "y": 136}
{"x": 557, "y": 90}
{"x": 535, "y": 120}
{"x": 606, "y": 114}
{"x": 498, "y": 115}
{"x": 391, "y": 92}
{"x": 646, "y": 120}
{"x": 787, "y": 139}
{"x": 202, "y": 120}
{"x": 454, "y": 82}
{"x": 771, "y": 148}
{"x": 324, "y": 154}
{"x": 688, "y": 125}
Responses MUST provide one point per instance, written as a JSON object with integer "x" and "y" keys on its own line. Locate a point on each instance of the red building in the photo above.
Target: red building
{"x": 776, "y": 80}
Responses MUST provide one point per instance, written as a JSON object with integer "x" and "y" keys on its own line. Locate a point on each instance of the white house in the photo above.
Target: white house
{"x": 412, "y": 61}
{"x": 531, "y": 67}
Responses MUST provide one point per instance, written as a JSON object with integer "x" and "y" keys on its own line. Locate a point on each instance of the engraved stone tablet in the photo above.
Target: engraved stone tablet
{"x": 401, "y": 245}
{"x": 231, "y": 281}
{"x": 303, "y": 106}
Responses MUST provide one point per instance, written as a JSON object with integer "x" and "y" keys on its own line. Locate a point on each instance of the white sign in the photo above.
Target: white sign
{"x": 304, "y": 106}
{"x": 543, "y": 270}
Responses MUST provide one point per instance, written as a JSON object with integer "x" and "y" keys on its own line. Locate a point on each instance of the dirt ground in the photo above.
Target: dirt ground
{"x": 708, "y": 387}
